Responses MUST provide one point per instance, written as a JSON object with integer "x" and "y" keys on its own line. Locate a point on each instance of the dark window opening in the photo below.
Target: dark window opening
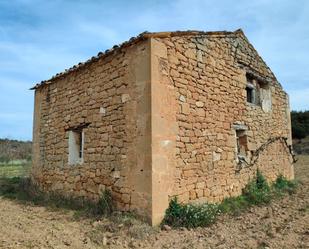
{"x": 251, "y": 89}
{"x": 250, "y": 94}
{"x": 80, "y": 143}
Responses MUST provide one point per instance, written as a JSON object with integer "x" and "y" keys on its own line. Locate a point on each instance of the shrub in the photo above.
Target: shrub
{"x": 257, "y": 192}
{"x": 261, "y": 182}
{"x": 283, "y": 185}
{"x": 190, "y": 215}
{"x": 173, "y": 214}
{"x": 9, "y": 187}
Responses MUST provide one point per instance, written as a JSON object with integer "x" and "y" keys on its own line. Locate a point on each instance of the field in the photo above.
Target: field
{"x": 13, "y": 170}
{"x": 282, "y": 224}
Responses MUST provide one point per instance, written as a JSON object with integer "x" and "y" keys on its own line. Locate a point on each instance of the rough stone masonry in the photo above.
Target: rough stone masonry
{"x": 189, "y": 114}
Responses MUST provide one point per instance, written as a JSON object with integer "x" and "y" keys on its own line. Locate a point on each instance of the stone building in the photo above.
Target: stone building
{"x": 189, "y": 114}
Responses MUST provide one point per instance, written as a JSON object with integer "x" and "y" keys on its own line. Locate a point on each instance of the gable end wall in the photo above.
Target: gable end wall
{"x": 209, "y": 78}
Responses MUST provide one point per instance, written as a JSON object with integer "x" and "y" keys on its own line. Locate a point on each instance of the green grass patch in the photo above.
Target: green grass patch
{"x": 257, "y": 192}
{"x": 14, "y": 170}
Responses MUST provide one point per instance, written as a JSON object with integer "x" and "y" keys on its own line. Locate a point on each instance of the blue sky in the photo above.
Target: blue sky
{"x": 40, "y": 38}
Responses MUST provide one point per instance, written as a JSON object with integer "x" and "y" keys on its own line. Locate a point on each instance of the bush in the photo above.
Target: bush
{"x": 282, "y": 185}
{"x": 190, "y": 215}
{"x": 257, "y": 192}
{"x": 9, "y": 187}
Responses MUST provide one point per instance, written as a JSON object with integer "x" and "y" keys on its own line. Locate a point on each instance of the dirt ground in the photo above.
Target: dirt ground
{"x": 282, "y": 224}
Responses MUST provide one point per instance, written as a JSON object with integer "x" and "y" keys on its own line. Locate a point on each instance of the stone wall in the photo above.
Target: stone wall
{"x": 209, "y": 76}
{"x": 111, "y": 100}
{"x": 162, "y": 117}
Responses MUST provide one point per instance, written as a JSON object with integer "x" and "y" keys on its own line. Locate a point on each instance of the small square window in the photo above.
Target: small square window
{"x": 76, "y": 146}
{"x": 258, "y": 92}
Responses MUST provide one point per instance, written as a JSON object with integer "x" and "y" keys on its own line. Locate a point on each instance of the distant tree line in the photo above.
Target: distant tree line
{"x": 14, "y": 150}
{"x": 300, "y": 124}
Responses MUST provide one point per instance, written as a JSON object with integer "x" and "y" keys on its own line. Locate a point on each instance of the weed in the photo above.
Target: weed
{"x": 234, "y": 205}
{"x": 282, "y": 185}
{"x": 105, "y": 204}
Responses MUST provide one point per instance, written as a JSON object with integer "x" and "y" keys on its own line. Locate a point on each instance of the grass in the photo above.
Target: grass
{"x": 14, "y": 170}
{"x": 257, "y": 192}
{"x": 22, "y": 189}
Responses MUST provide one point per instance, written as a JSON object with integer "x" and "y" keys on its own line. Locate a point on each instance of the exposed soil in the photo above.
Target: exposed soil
{"x": 282, "y": 224}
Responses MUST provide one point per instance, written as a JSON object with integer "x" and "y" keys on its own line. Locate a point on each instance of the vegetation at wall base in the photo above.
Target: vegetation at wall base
{"x": 257, "y": 192}
{"x": 179, "y": 215}
{"x": 22, "y": 189}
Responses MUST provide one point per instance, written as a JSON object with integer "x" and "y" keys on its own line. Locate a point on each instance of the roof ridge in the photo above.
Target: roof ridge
{"x": 133, "y": 40}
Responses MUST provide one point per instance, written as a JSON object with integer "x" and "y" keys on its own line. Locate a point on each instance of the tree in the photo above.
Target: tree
{"x": 300, "y": 124}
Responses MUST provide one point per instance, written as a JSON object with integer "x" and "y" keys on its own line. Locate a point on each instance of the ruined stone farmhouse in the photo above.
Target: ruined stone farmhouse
{"x": 188, "y": 114}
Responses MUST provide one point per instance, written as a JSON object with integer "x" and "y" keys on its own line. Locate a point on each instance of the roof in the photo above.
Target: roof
{"x": 143, "y": 36}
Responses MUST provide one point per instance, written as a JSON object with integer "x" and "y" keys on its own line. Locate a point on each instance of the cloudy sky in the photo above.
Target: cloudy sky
{"x": 40, "y": 38}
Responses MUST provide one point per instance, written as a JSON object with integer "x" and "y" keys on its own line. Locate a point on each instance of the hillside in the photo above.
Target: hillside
{"x": 14, "y": 150}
